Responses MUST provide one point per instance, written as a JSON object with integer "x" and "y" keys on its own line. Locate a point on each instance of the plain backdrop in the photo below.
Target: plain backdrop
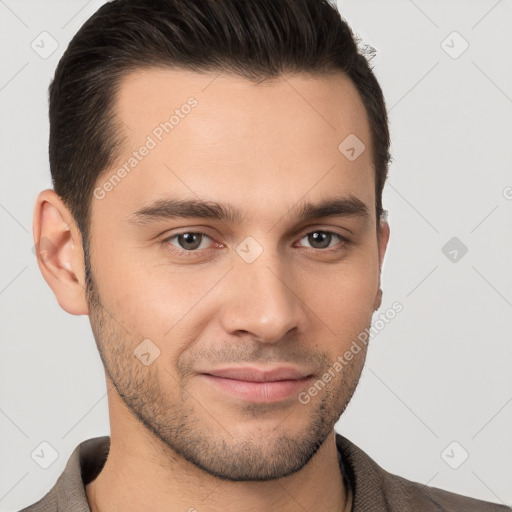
{"x": 435, "y": 400}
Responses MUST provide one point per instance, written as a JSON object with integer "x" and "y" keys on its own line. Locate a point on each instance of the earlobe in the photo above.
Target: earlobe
{"x": 59, "y": 252}
{"x": 378, "y": 299}
{"x": 384, "y": 233}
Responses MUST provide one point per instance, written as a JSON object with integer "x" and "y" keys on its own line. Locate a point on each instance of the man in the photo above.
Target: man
{"x": 218, "y": 169}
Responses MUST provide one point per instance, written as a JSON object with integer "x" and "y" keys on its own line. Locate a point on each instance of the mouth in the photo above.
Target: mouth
{"x": 259, "y": 385}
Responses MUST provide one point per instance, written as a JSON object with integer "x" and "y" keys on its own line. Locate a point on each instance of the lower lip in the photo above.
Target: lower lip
{"x": 260, "y": 392}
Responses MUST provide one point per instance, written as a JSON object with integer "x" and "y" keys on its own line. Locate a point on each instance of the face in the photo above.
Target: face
{"x": 233, "y": 261}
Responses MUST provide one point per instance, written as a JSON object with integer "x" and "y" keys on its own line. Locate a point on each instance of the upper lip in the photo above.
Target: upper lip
{"x": 253, "y": 374}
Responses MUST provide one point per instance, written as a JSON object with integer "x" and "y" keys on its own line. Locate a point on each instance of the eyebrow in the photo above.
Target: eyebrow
{"x": 164, "y": 209}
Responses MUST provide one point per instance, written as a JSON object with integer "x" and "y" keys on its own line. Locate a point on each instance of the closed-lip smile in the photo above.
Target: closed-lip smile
{"x": 261, "y": 385}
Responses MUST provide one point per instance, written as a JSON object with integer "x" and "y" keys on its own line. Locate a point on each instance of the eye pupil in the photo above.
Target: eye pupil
{"x": 324, "y": 239}
{"x": 190, "y": 241}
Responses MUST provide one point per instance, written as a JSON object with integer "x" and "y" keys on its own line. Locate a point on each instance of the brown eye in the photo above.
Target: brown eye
{"x": 188, "y": 241}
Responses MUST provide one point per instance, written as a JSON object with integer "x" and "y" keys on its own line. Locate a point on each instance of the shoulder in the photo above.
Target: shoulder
{"x": 378, "y": 490}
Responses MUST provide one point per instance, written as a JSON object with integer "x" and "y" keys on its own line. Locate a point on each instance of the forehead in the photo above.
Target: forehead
{"x": 321, "y": 107}
{"x": 260, "y": 146}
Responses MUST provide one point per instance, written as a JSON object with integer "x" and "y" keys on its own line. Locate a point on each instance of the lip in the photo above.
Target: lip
{"x": 259, "y": 385}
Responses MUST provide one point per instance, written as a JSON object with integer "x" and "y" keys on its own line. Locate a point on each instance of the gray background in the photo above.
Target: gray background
{"x": 439, "y": 372}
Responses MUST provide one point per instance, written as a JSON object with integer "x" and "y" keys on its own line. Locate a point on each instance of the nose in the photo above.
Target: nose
{"x": 262, "y": 302}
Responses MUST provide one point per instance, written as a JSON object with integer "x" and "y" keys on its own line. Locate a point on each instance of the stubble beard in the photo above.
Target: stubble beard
{"x": 180, "y": 423}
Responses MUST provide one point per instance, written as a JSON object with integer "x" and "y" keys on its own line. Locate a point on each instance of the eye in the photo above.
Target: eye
{"x": 189, "y": 241}
{"x": 192, "y": 242}
{"x": 323, "y": 239}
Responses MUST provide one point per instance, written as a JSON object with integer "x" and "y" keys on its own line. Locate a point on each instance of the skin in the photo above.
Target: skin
{"x": 177, "y": 442}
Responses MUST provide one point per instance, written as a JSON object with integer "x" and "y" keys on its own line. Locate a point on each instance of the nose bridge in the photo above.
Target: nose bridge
{"x": 263, "y": 301}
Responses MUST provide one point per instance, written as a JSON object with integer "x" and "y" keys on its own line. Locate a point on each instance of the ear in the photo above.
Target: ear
{"x": 383, "y": 240}
{"x": 58, "y": 247}
{"x": 384, "y": 232}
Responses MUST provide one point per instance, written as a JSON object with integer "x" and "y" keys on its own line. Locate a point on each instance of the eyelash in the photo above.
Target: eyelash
{"x": 196, "y": 252}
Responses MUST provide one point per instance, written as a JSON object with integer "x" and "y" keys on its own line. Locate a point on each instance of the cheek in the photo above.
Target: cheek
{"x": 342, "y": 296}
{"x": 157, "y": 301}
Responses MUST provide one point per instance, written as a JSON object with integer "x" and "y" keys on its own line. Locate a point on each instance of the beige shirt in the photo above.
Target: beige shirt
{"x": 373, "y": 489}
